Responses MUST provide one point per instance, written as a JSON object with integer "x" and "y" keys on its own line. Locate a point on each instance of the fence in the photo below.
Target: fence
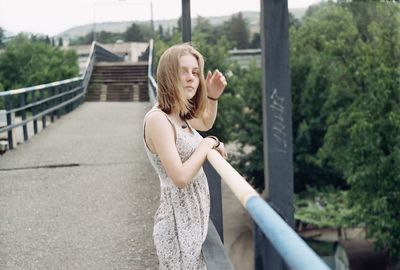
{"x": 48, "y": 100}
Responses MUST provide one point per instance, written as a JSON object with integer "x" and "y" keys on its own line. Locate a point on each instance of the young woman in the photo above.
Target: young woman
{"x": 186, "y": 102}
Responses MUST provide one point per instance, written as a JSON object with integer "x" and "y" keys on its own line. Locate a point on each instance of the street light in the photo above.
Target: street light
{"x": 95, "y": 4}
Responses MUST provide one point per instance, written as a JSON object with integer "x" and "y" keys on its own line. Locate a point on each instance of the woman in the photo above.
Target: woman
{"x": 186, "y": 102}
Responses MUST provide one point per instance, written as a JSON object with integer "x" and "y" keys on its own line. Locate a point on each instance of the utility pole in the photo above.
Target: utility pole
{"x": 277, "y": 125}
{"x": 186, "y": 21}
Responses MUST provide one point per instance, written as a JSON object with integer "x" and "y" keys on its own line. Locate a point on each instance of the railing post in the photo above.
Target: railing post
{"x": 277, "y": 125}
{"x": 22, "y": 102}
{"x": 214, "y": 184}
{"x": 80, "y": 85}
{"x": 68, "y": 106}
{"x": 79, "y": 101}
{"x": 57, "y": 101}
{"x": 34, "y": 111}
{"x": 63, "y": 98}
{"x": 8, "y": 105}
{"x": 186, "y": 21}
{"x": 52, "y": 93}
{"x": 43, "y": 108}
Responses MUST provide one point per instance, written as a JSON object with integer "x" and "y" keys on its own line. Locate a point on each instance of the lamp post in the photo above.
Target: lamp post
{"x": 186, "y": 21}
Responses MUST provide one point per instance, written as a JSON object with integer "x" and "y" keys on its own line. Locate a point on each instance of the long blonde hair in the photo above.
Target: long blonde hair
{"x": 171, "y": 96}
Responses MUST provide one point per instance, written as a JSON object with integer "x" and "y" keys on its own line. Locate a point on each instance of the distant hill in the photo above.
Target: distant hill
{"x": 252, "y": 17}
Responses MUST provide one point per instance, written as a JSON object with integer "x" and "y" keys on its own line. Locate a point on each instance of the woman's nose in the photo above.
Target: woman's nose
{"x": 190, "y": 76}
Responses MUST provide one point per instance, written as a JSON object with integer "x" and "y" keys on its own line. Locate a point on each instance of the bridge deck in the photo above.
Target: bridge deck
{"x": 81, "y": 194}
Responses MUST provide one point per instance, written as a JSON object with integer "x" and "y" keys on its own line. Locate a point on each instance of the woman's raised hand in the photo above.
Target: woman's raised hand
{"x": 216, "y": 83}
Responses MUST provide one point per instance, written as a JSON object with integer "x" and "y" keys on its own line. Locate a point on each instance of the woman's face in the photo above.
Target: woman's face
{"x": 189, "y": 74}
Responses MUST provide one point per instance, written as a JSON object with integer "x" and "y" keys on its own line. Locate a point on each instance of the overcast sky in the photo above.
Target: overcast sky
{"x": 51, "y": 17}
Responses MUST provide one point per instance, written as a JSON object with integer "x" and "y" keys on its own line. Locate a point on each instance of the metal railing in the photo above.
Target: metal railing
{"x": 291, "y": 247}
{"x": 51, "y": 99}
{"x": 293, "y": 250}
{"x": 152, "y": 85}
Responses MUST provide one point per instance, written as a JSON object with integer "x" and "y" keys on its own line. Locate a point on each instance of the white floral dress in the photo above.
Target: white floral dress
{"x": 181, "y": 221}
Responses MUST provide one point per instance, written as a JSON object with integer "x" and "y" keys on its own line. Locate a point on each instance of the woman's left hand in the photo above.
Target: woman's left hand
{"x": 216, "y": 83}
{"x": 222, "y": 150}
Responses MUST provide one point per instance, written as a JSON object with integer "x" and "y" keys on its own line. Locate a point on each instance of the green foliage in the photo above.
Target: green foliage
{"x": 239, "y": 121}
{"x": 237, "y": 31}
{"x": 345, "y": 87}
{"x": 26, "y": 63}
{"x": 327, "y": 207}
{"x": 102, "y": 37}
{"x": 134, "y": 33}
{"x": 209, "y": 34}
{"x": 1, "y": 38}
{"x": 364, "y": 138}
{"x": 245, "y": 123}
{"x": 255, "y": 41}
{"x": 321, "y": 49}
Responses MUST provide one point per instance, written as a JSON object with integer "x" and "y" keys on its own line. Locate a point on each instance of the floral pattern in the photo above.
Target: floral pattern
{"x": 181, "y": 221}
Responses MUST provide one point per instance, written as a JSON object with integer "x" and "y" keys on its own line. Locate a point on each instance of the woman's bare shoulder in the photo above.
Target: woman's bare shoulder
{"x": 157, "y": 121}
{"x": 155, "y": 116}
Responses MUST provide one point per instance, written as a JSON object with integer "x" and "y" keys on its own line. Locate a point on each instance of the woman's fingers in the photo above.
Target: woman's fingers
{"x": 221, "y": 149}
{"x": 220, "y": 77}
{"x": 209, "y": 75}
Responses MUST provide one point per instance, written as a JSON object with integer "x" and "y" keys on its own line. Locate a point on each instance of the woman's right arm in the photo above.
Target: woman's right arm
{"x": 161, "y": 138}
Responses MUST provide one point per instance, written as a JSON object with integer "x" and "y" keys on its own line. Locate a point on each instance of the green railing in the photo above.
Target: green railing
{"x": 48, "y": 100}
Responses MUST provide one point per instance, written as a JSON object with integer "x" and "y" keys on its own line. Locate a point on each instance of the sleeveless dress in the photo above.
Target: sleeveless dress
{"x": 181, "y": 221}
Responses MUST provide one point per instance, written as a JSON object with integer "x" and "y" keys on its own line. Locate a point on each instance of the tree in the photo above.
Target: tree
{"x": 25, "y": 63}
{"x": 320, "y": 50}
{"x": 211, "y": 34}
{"x": 178, "y": 27}
{"x": 364, "y": 138}
{"x": 241, "y": 118}
{"x": 60, "y": 42}
{"x": 160, "y": 32}
{"x": 108, "y": 37}
{"x": 237, "y": 31}
{"x": 345, "y": 107}
{"x": 134, "y": 33}
{"x": 1, "y": 38}
{"x": 255, "y": 41}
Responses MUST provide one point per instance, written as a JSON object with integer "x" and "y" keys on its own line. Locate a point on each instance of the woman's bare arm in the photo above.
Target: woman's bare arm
{"x": 161, "y": 140}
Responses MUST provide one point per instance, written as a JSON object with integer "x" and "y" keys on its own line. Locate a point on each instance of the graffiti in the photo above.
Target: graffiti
{"x": 277, "y": 109}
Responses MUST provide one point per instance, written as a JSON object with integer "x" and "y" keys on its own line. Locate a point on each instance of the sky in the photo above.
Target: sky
{"x": 51, "y": 17}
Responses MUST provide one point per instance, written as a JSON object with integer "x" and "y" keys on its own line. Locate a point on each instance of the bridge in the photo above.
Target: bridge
{"x": 82, "y": 195}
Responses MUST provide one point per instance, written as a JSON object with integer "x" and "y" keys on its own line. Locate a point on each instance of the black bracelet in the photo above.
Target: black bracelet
{"x": 216, "y": 139}
{"x": 214, "y": 99}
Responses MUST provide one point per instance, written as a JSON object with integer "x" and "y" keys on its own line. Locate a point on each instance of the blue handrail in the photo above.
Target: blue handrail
{"x": 293, "y": 250}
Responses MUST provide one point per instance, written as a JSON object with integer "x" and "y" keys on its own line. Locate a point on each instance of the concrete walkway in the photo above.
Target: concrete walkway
{"x": 82, "y": 195}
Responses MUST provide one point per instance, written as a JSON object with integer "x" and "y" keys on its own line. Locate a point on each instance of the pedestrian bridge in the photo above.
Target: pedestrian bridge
{"x": 82, "y": 194}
